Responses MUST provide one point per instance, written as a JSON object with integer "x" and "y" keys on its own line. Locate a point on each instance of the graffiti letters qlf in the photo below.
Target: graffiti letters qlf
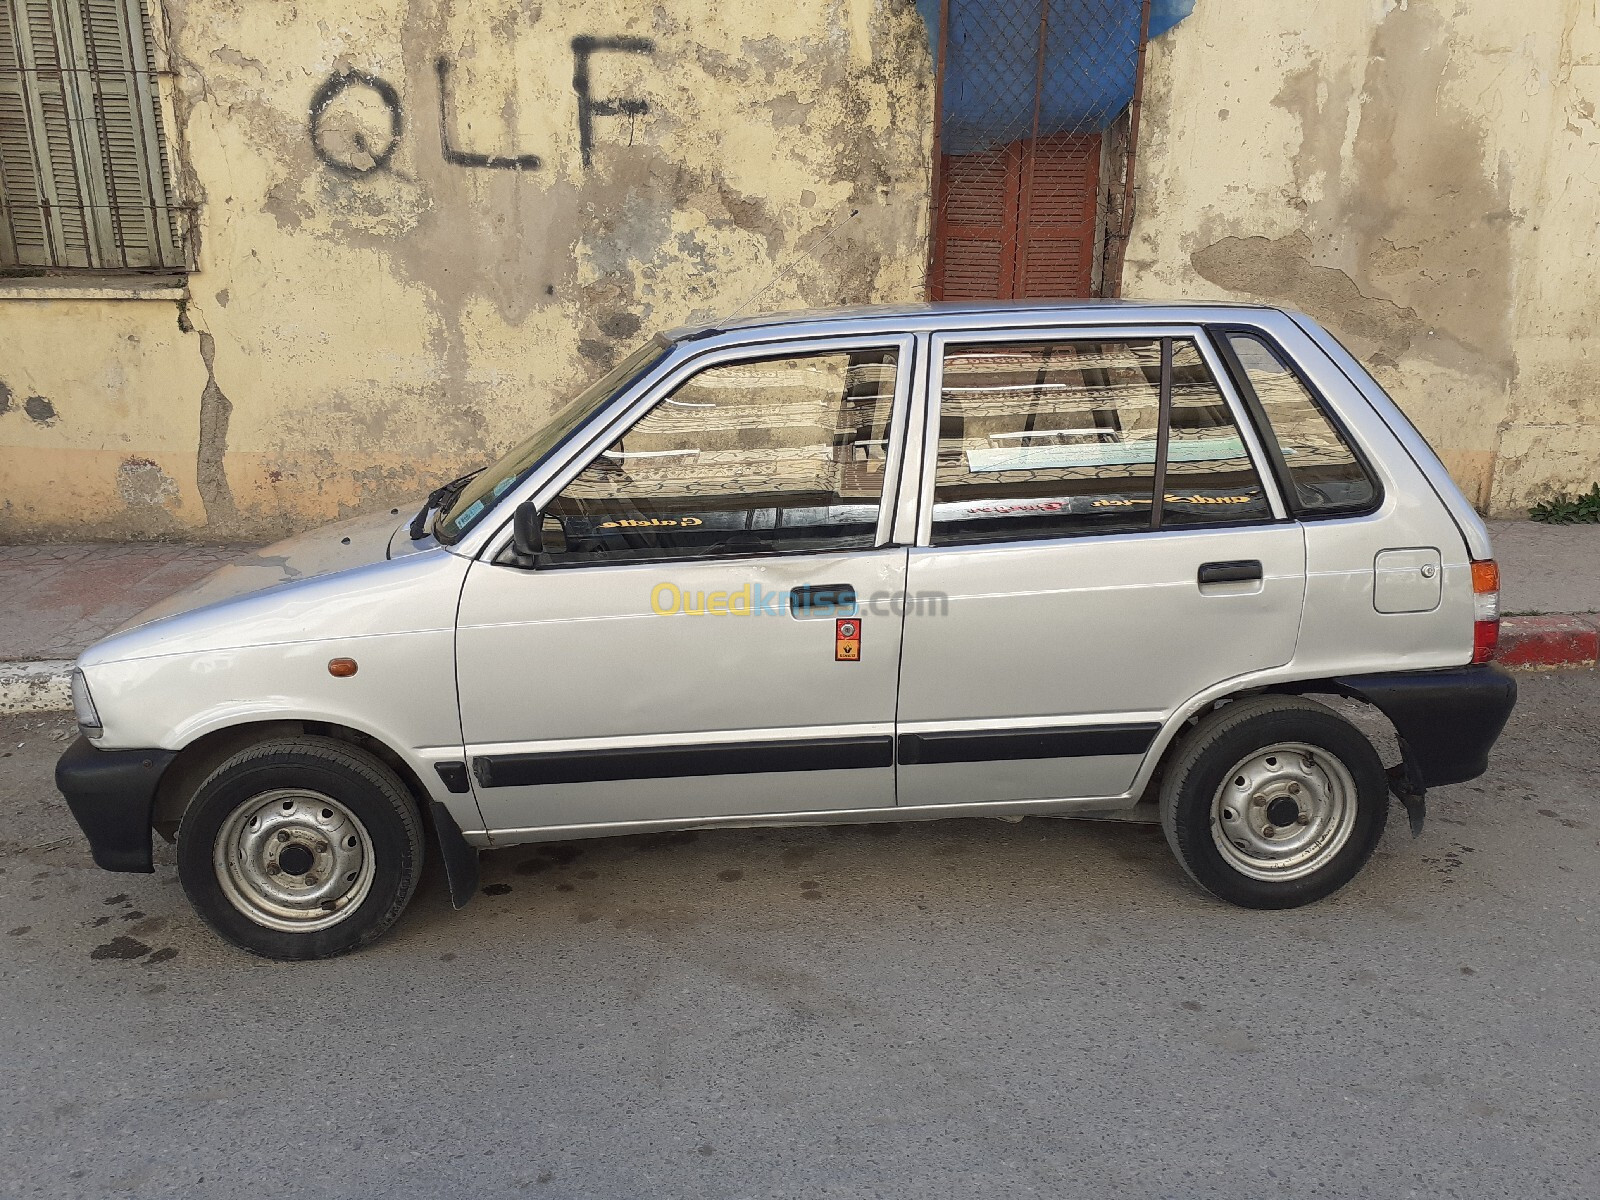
{"x": 374, "y": 158}
{"x": 369, "y": 157}
{"x": 583, "y": 48}
{"x": 463, "y": 158}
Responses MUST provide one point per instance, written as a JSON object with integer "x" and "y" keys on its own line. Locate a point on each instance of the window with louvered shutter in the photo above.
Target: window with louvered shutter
{"x": 1056, "y": 223}
{"x": 1018, "y": 223}
{"x": 83, "y": 162}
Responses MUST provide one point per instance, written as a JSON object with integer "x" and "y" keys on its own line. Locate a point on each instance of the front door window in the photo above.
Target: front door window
{"x": 767, "y": 456}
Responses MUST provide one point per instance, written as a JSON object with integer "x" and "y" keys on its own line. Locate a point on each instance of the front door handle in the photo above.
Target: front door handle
{"x": 818, "y": 600}
{"x": 1243, "y": 571}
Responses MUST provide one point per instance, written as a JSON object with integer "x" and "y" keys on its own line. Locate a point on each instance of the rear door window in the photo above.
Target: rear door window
{"x": 1058, "y": 438}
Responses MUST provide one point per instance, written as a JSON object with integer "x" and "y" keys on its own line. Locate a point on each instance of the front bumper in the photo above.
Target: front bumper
{"x": 111, "y": 793}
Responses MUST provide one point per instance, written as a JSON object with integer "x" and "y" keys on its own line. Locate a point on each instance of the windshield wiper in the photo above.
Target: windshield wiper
{"x": 440, "y": 498}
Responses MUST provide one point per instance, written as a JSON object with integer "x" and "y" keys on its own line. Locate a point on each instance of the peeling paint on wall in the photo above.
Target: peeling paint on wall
{"x": 39, "y": 410}
{"x": 1406, "y": 175}
{"x": 432, "y": 221}
{"x": 144, "y": 488}
{"x": 211, "y": 471}
{"x": 1281, "y": 271}
{"x": 411, "y": 267}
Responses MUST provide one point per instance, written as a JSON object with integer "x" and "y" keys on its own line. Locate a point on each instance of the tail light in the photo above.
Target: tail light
{"x": 1485, "y": 610}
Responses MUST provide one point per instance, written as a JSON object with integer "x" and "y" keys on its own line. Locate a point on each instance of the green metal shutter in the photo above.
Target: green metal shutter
{"x": 83, "y": 163}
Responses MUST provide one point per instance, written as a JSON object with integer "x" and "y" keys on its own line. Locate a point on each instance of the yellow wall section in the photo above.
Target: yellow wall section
{"x": 369, "y": 319}
{"x": 1416, "y": 176}
{"x": 376, "y": 329}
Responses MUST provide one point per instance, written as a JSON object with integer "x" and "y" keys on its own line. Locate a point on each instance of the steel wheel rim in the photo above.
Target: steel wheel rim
{"x": 1251, "y": 820}
{"x": 294, "y": 860}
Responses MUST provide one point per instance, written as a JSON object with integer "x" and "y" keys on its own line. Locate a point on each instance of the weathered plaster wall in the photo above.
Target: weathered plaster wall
{"x": 492, "y": 201}
{"x": 1420, "y": 176}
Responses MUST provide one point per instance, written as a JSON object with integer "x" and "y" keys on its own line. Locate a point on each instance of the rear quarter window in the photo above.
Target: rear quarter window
{"x": 1326, "y": 475}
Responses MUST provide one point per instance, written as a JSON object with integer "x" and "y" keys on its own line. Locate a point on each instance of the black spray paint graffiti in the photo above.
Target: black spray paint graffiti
{"x": 369, "y": 158}
{"x": 335, "y": 86}
{"x": 463, "y": 158}
{"x": 588, "y": 107}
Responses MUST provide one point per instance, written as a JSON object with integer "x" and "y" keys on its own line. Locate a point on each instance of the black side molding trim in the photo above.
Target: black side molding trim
{"x": 454, "y": 775}
{"x": 111, "y": 793}
{"x": 460, "y": 856}
{"x": 676, "y": 762}
{"x": 1078, "y": 741}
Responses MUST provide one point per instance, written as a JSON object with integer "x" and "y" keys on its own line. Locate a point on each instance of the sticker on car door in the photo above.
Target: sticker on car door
{"x": 847, "y": 639}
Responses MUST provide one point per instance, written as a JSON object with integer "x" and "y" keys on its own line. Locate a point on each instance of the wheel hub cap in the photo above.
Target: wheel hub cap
{"x": 294, "y": 860}
{"x": 1284, "y": 811}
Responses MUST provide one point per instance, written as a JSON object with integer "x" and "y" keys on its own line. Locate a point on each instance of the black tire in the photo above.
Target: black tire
{"x": 1236, "y": 736}
{"x": 364, "y": 787}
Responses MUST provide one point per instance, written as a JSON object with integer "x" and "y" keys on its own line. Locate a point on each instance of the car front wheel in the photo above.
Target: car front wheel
{"x": 1274, "y": 802}
{"x": 302, "y": 847}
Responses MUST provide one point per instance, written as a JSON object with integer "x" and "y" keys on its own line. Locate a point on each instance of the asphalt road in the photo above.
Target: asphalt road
{"x": 953, "y": 1009}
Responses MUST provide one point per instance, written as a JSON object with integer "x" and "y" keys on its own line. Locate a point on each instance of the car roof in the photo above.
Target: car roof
{"x": 959, "y": 312}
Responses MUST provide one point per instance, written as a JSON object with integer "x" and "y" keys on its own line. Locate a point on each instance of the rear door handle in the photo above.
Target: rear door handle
{"x": 1230, "y": 572}
{"x": 818, "y": 600}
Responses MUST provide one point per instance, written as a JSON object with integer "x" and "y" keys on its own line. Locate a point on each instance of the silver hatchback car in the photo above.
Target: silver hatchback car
{"x": 862, "y": 565}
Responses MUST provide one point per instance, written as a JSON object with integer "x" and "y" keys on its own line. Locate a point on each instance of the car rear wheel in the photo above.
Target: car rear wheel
{"x": 302, "y": 847}
{"x": 1274, "y": 802}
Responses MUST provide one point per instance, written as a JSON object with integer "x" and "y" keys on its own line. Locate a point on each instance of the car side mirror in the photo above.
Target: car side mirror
{"x": 527, "y": 535}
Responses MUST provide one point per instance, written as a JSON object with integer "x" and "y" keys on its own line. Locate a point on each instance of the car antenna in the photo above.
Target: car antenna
{"x": 816, "y": 242}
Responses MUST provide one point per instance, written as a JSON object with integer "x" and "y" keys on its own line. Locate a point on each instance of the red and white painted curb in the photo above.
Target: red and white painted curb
{"x": 1550, "y": 641}
{"x": 35, "y": 686}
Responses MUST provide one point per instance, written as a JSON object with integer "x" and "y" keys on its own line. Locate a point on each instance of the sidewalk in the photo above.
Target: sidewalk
{"x": 1549, "y": 593}
{"x": 57, "y": 599}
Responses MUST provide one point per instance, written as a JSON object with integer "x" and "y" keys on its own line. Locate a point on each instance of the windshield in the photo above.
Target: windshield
{"x": 484, "y": 492}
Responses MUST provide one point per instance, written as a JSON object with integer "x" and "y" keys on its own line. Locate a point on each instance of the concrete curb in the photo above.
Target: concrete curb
{"x": 1532, "y": 643}
{"x": 35, "y": 686}
{"x": 1550, "y": 641}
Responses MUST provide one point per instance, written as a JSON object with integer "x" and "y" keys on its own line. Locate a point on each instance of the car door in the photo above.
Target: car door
{"x": 1096, "y": 545}
{"x": 713, "y": 625}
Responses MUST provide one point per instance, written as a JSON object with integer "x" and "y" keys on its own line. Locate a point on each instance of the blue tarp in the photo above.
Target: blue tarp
{"x": 991, "y": 65}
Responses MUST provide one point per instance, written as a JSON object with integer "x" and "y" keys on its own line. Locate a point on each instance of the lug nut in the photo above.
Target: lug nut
{"x": 310, "y": 880}
{"x": 272, "y": 868}
{"x": 1259, "y": 801}
{"x": 322, "y": 847}
{"x": 283, "y": 835}
{"x": 1269, "y": 831}
{"x": 1294, "y": 789}
{"x": 1304, "y": 818}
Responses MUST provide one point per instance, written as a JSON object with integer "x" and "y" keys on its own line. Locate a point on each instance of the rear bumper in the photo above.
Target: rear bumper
{"x": 111, "y": 793}
{"x": 1447, "y": 721}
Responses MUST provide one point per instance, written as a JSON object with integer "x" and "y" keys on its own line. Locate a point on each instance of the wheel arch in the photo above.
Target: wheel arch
{"x": 1181, "y": 726}
{"x": 209, "y": 751}
{"x": 197, "y": 760}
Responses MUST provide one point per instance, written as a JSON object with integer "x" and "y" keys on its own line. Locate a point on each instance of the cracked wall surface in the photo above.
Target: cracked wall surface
{"x": 424, "y": 223}
{"x": 1419, "y": 176}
